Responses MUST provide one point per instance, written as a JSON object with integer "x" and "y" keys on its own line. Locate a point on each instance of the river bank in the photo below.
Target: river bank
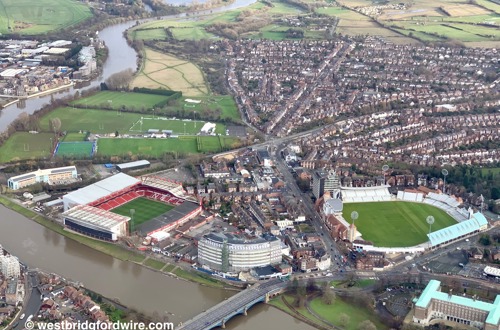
{"x": 179, "y": 271}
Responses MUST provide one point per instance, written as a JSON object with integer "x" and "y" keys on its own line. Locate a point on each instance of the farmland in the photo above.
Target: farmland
{"x": 397, "y": 224}
{"x": 165, "y": 71}
{"x": 41, "y": 16}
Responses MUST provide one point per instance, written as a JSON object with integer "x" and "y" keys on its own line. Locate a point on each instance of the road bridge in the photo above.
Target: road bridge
{"x": 218, "y": 315}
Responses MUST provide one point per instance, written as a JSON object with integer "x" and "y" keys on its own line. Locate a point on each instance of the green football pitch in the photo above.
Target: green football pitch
{"x": 75, "y": 149}
{"x": 145, "y": 209}
{"x": 396, "y": 224}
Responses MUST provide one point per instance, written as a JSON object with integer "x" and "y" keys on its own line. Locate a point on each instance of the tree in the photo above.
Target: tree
{"x": 55, "y": 125}
{"x": 344, "y": 319}
{"x": 485, "y": 240}
{"x": 367, "y": 325}
{"x": 300, "y": 298}
{"x": 293, "y": 286}
{"x": 117, "y": 134}
{"x": 328, "y": 296}
{"x": 311, "y": 285}
{"x": 120, "y": 80}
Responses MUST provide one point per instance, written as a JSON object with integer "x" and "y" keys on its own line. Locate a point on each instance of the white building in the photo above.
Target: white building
{"x": 50, "y": 176}
{"x": 10, "y": 267}
{"x": 230, "y": 253}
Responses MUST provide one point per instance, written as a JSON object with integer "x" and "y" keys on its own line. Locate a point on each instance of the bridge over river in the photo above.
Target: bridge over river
{"x": 218, "y": 315}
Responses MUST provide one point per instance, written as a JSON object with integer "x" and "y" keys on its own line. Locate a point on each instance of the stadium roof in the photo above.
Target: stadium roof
{"x": 102, "y": 188}
{"x": 477, "y": 222}
{"x": 132, "y": 165}
{"x": 98, "y": 217}
{"x": 432, "y": 292}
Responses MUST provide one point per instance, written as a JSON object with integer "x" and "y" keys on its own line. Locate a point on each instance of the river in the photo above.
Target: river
{"x": 132, "y": 284}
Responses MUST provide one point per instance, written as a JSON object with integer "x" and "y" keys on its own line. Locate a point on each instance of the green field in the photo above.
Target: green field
{"x": 158, "y": 147}
{"x": 145, "y": 209}
{"x": 40, "y": 16}
{"x": 225, "y": 104}
{"x": 117, "y": 100}
{"x": 151, "y": 34}
{"x": 74, "y": 137}
{"x": 108, "y": 121}
{"x": 191, "y": 33}
{"x": 79, "y": 149}
{"x": 396, "y": 224}
{"x": 23, "y": 145}
{"x": 332, "y": 313}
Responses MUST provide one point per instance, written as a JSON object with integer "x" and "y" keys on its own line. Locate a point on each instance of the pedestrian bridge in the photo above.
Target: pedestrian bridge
{"x": 218, "y": 315}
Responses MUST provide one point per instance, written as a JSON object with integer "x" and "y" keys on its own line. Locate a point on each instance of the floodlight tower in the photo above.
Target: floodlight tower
{"x": 430, "y": 221}
{"x": 385, "y": 168}
{"x": 445, "y": 173}
{"x": 132, "y": 226}
{"x": 352, "y": 231}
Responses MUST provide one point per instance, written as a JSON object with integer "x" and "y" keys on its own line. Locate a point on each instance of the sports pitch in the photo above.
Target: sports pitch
{"x": 396, "y": 224}
{"x": 145, "y": 209}
{"x": 116, "y": 100}
{"x": 75, "y": 149}
{"x": 40, "y": 16}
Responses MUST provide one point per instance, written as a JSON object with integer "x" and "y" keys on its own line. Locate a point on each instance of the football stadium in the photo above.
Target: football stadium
{"x": 121, "y": 204}
{"x": 401, "y": 223}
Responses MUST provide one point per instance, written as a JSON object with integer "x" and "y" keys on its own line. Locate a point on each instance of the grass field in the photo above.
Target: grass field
{"x": 40, "y": 16}
{"x": 145, "y": 209}
{"x": 190, "y": 33}
{"x": 332, "y": 313}
{"x": 116, "y": 100}
{"x": 74, "y": 137}
{"x": 150, "y": 34}
{"x": 105, "y": 121}
{"x": 157, "y": 147}
{"x": 396, "y": 224}
{"x": 225, "y": 103}
{"x": 23, "y": 145}
{"x": 165, "y": 71}
{"x": 79, "y": 149}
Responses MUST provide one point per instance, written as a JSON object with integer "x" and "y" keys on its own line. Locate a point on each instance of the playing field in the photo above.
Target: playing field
{"x": 75, "y": 149}
{"x": 396, "y": 224}
{"x": 23, "y": 145}
{"x": 40, "y": 16}
{"x": 158, "y": 147}
{"x": 145, "y": 209}
{"x": 116, "y": 100}
{"x": 108, "y": 121}
{"x": 74, "y": 137}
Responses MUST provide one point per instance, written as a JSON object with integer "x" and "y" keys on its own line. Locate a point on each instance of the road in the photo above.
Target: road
{"x": 306, "y": 202}
{"x": 34, "y": 302}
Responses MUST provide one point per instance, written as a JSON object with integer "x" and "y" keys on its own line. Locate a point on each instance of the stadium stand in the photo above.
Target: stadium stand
{"x": 365, "y": 194}
{"x": 410, "y": 196}
{"x": 175, "y": 188}
{"x": 465, "y": 228}
{"x": 448, "y": 204}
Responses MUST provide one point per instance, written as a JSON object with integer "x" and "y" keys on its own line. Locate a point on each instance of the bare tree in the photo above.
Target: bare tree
{"x": 55, "y": 125}
{"x": 120, "y": 80}
{"x": 367, "y": 325}
{"x": 344, "y": 320}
